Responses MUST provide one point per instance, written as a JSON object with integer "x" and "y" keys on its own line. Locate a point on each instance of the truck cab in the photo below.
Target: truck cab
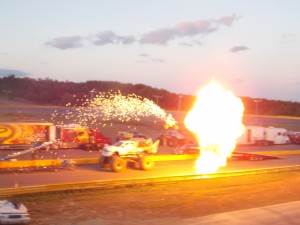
{"x": 120, "y": 148}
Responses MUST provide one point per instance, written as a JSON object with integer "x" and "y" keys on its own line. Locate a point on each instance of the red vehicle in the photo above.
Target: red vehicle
{"x": 195, "y": 149}
{"x": 188, "y": 149}
{"x": 294, "y": 137}
{"x": 75, "y": 136}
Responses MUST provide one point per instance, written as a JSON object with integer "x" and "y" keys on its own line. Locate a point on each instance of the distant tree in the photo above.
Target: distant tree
{"x": 53, "y": 92}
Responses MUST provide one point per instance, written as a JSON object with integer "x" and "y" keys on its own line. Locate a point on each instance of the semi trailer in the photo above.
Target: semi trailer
{"x": 23, "y": 135}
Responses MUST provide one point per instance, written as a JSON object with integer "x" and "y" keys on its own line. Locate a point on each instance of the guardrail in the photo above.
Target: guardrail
{"x": 156, "y": 158}
{"x": 161, "y": 158}
{"x": 107, "y": 184}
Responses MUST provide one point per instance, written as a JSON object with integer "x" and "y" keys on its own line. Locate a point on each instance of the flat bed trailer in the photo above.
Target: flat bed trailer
{"x": 251, "y": 156}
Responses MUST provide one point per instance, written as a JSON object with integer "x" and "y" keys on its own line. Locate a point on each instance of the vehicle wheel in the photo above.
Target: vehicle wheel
{"x": 117, "y": 164}
{"x": 71, "y": 166}
{"x": 172, "y": 142}
{"x": 162, "y": 141}
{"x": 86, "y": 147}
{"x": 102, "y": 161}
{"x": 146, "y": 163}
{"x": 99, "y": 147}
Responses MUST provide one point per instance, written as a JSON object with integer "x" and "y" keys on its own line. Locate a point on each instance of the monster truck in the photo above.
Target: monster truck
{"x": 129, "y": 151}
{"x": 172, "y": 138}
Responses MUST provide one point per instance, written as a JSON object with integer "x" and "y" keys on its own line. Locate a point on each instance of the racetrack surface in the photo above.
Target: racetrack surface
{"x": 175, "y": 203}
{"x": 178, "y": 203}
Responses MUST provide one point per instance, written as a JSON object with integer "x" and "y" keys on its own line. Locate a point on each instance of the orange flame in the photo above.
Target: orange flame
{"x": 216, "y": 119}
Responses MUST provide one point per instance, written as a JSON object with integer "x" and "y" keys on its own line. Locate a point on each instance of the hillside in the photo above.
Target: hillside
{"x": 52, "y": 92}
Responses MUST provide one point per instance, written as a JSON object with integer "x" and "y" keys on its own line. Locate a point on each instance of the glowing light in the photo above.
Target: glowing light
{"x": 107, "y": 108}
{"x": 216, "y": 119}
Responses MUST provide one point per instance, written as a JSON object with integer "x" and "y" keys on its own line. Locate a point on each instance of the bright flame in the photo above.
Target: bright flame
{"x": 216, "y": 119}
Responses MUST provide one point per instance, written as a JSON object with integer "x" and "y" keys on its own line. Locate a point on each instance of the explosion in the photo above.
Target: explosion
{"x": 216, "y": 119}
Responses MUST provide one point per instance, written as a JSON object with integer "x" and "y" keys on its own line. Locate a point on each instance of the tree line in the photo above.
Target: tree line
{"x": 59, "y": 93}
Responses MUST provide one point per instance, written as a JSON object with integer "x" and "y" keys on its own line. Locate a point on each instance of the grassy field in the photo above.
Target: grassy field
{"x": 170, "y": 203}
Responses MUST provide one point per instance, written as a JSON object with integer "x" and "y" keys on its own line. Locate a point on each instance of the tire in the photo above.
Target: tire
{"x": 71, "y": 166}
{"x": 146, "y": 163}
{"x": 85, "y": 147}
{"x": 173, "y": 142}
{"x": 99, "y": 147}
{"x": 117, "y": 164}
{"x": 101, "y": 161}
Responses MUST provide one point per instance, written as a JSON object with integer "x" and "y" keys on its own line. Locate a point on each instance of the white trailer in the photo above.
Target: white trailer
{"x": 258, "y": 135}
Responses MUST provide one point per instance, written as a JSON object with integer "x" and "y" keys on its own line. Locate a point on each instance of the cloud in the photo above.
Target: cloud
{"x": 239, "y": 48}
{"x": 160, "y": 36}
{"x": 147, "y": 58}
{"x": 144, "y": 55}
{"x": 197, "y": 42}
{"x": 158, "y": 60}
{"x": 185, "y": 44}
{"x": 289, "y": 38}
{"x": 109, "y": 37}
{"x": 8, "y": 72}
{"x": 185, "y": 29}
{"x": 66, "y": 42}
{"x": 228, "y": 20}
{"x": 152, "y": 60}
{"x": 190, "y": 44}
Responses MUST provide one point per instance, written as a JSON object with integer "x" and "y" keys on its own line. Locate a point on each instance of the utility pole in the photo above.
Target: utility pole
{"x": 257, "y": 101}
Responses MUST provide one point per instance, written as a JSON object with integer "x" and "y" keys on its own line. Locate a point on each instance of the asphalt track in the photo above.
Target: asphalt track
{"x": 288, "y": 156}
{"x": 91, "y": 172}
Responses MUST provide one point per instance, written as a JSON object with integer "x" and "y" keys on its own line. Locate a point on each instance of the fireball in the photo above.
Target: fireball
{"x": 216, "y": 119}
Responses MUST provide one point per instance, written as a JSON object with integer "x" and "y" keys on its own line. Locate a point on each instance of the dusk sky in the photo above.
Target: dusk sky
{"x": 250, "y": 46}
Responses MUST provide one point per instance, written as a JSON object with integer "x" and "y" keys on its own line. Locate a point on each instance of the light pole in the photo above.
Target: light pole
{"x": 257, "y": 101}
{"x": 179, "y": 102}
{"x": 92, "y": 93}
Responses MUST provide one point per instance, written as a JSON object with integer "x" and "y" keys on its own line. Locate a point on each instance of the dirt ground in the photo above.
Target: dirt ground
{"x": 162, "y": 203}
